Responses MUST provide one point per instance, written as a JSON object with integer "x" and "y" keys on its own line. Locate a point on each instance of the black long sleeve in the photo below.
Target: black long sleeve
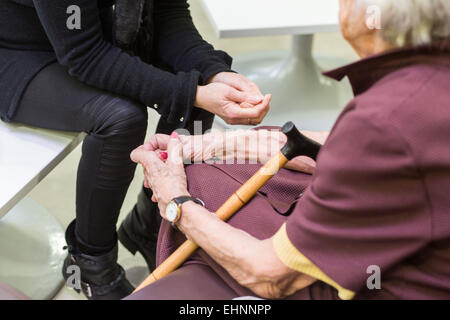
{"x": 181, "y": 46}
{"x": 94, "y": 61}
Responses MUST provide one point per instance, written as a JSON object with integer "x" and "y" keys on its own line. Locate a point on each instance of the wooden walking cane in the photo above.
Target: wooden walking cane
{"x": 297, "y": 145}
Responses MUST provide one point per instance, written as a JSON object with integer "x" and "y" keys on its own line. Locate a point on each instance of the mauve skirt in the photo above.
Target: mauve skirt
{"x": 201, "y": 278}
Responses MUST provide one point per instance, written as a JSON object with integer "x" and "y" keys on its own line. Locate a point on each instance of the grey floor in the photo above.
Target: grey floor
{"x": 61, "y": 181}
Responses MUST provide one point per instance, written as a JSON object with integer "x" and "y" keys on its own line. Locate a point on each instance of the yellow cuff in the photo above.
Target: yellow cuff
{"x": 294, "y": 259}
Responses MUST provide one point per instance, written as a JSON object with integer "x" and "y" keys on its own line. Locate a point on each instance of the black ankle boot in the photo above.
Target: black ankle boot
{"x": 139, "y": 230}
{"x": 102, "y": 278}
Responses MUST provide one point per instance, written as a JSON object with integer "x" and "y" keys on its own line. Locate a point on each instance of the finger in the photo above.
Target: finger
{"x": 252, "y": 87}
{"x": 146, "y": 182}
{"x": 148, "y": 159}
{"x": 137, "y": 149}
{"x": 238, "y": 82}
{"x": 242, "y": 83}
{"x": 266, "y": 110}
{"x": 144, "y": 157}
{"x": 157, "y": 142}
{"x": 302, "y": 164}
{"x": 154, "y": 166}
{"x": 139, "y": 155}
{"x": 254, "y": 117}
{"x": 249, "y": 113}
{"x": 246, "y": 85}
{"x": 241, "y": 96}
{"x": 175, "y": 159}
{"x": 162, "y": 155}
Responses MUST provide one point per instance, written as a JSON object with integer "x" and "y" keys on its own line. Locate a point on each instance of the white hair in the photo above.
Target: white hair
{"x": 412, "y": 22}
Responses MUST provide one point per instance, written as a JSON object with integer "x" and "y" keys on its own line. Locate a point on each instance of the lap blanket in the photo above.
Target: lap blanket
{"x": 261, "y": 217}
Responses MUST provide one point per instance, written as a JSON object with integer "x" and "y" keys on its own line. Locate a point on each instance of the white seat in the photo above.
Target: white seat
{"x": 31, "y": 239}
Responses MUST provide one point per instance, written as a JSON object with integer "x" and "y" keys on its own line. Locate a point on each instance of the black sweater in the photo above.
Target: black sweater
{"x": 33, "y": 34}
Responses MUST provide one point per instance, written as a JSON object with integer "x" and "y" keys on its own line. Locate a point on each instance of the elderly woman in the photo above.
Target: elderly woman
{"x": 372, "y": 222}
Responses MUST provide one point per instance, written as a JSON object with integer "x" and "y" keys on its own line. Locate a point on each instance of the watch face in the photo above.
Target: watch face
{"x": 172, "y": 211}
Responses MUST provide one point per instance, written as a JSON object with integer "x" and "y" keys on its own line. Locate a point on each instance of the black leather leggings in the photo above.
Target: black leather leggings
{"x": 114, "y": 126}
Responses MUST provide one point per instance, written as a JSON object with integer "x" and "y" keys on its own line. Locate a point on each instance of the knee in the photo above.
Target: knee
{"x": 211, "y": 184}
{"x": 124, "y": 117}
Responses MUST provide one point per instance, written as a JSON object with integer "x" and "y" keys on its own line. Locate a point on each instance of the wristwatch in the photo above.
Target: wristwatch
{"x": 173, "y": 210}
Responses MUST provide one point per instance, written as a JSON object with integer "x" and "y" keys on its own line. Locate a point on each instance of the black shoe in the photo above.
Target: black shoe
{"x": 139, "y": 230}
{"x": 102, "y": 278}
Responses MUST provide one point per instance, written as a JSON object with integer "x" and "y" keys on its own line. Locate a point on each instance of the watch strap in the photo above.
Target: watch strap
{"x": 180, "y": 200}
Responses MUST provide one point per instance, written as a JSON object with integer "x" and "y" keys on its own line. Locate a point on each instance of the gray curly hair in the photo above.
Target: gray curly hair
{"x": 412, "y": 22}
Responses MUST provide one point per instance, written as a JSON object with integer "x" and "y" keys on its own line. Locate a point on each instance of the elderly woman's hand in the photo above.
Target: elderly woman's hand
{"x": 257, "y": 146}
{"x": 253, "y": 263}
{"x": 167, "y": 179}
{"x": 258, "y": 268}
{"x": 197, "y": 148}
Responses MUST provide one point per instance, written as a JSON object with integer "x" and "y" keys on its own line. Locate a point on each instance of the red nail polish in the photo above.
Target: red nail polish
{"x": 174, "y": 135}
{"x": 164, "y": 155}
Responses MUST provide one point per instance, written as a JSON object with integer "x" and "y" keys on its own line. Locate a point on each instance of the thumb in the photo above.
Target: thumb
{"x": 302, "y": 164}
{"x": 138, "y": 155}
{"x": 240, "y": 97}
{"x": 175, "y": 153}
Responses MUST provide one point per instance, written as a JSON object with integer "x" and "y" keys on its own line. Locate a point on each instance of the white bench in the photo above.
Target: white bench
{"x": 31, "y": 239}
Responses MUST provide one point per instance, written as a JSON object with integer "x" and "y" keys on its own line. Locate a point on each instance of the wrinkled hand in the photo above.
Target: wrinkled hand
{"x": 196, "y": 148}
{"x": 232, "y": 105}
{"x": 167, "y": 179}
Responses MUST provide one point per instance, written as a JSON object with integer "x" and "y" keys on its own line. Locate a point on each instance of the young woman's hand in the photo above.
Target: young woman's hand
{"x": 240, "y": 83}
{"x": 232, "y": 105}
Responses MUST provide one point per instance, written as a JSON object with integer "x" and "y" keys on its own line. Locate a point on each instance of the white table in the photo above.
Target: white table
{"x": 294, "y": 78}
{"x": 31, "y": 239}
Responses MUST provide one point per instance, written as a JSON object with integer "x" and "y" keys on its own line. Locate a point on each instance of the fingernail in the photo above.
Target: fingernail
{"x": 174, "y": 135}
{"x": 258, "y": 98}
{"x": 164, "y": 155}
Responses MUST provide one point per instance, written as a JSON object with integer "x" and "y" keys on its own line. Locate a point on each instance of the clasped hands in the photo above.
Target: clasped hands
{"x": 234, "y": 98}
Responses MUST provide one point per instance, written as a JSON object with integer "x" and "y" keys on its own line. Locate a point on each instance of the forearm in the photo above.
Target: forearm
{"x": 208, "y": 231}
{"x": 251, "y": 262}
{"x": 253, "y": 145}
{"x": 229, "y": 146}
